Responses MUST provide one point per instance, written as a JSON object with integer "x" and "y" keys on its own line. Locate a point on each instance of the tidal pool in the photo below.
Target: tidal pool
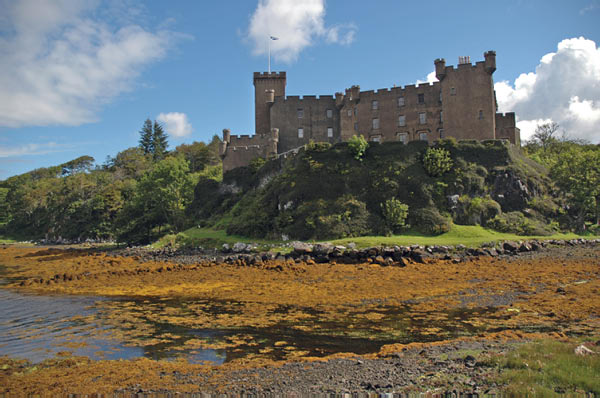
{"x": 37, "y": 327}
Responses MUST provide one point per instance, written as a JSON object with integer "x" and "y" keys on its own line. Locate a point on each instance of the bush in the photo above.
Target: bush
{"x": 477, "y": 211}
{"x": 515, "y": 222}
{"x": 358, "y": 146}
{"x": 430, "y": 221}
{"x": 394, "y": 213}
{"x": 437, "y": 161}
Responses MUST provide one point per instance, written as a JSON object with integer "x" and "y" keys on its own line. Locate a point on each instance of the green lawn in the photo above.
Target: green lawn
{"x": 459, "y": 234}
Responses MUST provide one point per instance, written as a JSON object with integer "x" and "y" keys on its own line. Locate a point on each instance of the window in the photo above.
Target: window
{"x": 355, "y": 126}
{"x": 300, "y": 133}
{"x": 401, "y": 120}
{"x": 355, "y": 111}
{"x": 480, "y": 115}
{"x": 349, "y": 112}
{"x": 376, "y": 138}
{"x": 375, "y": 124}
{"x": 441, "y": 116}
{"x": 402, "y": 137}
{"x": 423, "y": 136}
{"x": 452, "y": 91}
{"x": 329, "y": 132}
{"x": 421, "y": 98}
{"x": 440, "y": 96}
{"x": 422, "y": 118}
{"x": 329, "y": 113}
{"x": 374, "y": 104}
{"x": 400, "y": 101}
{"x": 441, "y": 131}
{"x": 300, "y": 113}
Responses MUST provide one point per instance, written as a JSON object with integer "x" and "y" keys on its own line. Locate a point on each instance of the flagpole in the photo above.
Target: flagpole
{"x": 269, "y": 54}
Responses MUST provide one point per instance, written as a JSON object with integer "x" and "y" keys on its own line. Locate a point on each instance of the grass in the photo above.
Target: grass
{"x": 459, "y": 234}
{"x": 467, "y": 235}
{"x": 545, "y": 367}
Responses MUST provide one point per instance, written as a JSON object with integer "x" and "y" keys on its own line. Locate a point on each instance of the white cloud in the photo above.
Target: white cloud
{"x": 31, "y": 149}
{"x": 565, "y": 88}
{"x": 431, "y": 78}
{"x": 60, "y": 63}
{"x": 297, "y": 24}
{"x": 176, "y": 123}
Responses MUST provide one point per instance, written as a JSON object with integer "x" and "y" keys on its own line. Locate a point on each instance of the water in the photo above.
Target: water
{"x": 37, "y": 327}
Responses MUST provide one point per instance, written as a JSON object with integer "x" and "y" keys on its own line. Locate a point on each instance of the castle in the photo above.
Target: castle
{"x": 462, "y": 104}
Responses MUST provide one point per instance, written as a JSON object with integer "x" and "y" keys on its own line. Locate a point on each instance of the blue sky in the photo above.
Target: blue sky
{"x": 80, "y": 77}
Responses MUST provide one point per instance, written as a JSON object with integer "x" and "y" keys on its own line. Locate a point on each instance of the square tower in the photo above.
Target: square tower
{"x": 267, "y": 86}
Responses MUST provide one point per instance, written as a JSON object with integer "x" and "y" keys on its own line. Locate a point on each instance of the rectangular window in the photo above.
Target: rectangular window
{"x": 400, "y": 101}
{"x": 355, "y": 111}
{"x": 452, "y": 91}
{"x": 422, "y": 118}
{"x": 300, "y": 133}
{"x": 374, "y": 104}
{"x": 329, "y": 113}
{"x": 441, "y": 133}
{"x": 423, "y": 136}
{"x": 441, "y": 116}
{"x": 401, "y": 120}
{"x": 376, "y": 138}
{"x": 402, "y": 137}
{"x": 300, "y": 113}
{"x": 421, "y": 98}
{"x": 349, "y": 112}
{"x": 329, "y": 132}
{"x": 355, "y": 126}
{"x": 480, "y": 115}
{"x": 375, "y": 124}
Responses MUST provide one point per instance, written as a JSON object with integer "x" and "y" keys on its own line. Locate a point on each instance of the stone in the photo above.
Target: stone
{"x": 525, "y": 247}
{"x": 510, "y": 246}
{"x": 225, "y": 248}
{"x": 582, "y": 350}
{"x": 323, "y": 249}
{"x": 239, "y": 247}
{"x": 302, "y": 248}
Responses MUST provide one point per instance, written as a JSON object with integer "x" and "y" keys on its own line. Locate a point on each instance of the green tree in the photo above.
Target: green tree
{"x": 198, "y": 154}
{"x": 146, "y": 137}
{"x": 437, "y": 161}
{"x": 577, "y": 172}
{"x": 394, "y": 213}
{"x": 358, "y": 146}
{"x": 159, "y": 142}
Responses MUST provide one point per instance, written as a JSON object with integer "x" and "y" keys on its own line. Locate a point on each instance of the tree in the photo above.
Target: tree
{"x": 198, "y": 154}
{"x": 153, "y": 140}
{"x": 544, "y": 135}
{"x": 146, "y": 137}
{"x": 358, "y": 146}
{"x": 159, "y": 142}
{"x": 394, "y": 213}
{"x": 437, "y": 161}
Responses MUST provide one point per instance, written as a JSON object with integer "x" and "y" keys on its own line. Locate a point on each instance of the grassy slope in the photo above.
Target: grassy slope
{"x": 459, "y": 234}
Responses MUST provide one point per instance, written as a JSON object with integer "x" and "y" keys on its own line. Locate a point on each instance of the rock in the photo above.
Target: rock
{"x": 239, "y": 247}
{"x": 561, "y": 290}
{"x": 470, "y": 361}
{"x": 452, "y": 201}
{"x": 582, "y": 350}
{"x": 418, "y": 255}
{"x": 302, "y": 248}
{"x": 525, "y": 247}
{"x": 225, "y": 248}
{"x": 351, "y": 245}
{"x": 510, "y": 246}
{"x": 323, "y": 249}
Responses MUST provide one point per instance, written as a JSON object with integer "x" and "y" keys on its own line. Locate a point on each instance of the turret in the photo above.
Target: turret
{"x": 267, "y": 86}
{"x": 339, "y": 99}
{"x": 440, "y": 68}
{"x": 225, "y": 142}
{"x": 490, "y": 61}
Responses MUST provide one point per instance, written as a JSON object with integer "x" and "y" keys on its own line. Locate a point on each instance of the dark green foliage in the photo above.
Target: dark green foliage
{"x": 199, "y": 155}
{"x": 477, "y": 210}
{"x": 430, "y": 221}
{"x": 516, "y": 222}
{"x": 146, "y": 137}
{"x": 153, "y": 140}
{"x": 437, "y": 161}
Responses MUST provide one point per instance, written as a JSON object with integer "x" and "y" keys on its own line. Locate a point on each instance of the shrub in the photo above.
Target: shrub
{"x": 358, "y": 146}
{"x": 430, "y": 221}
{"x": 394, "y": 213}
{"x": 478, "y": 210}
{"x": 437, "y": 161}
{"x": 516, "y": 222}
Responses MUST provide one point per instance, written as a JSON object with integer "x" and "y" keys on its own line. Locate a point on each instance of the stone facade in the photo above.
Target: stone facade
{"x": 462, "y": 104}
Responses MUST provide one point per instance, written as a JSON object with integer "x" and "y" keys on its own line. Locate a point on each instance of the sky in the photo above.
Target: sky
{"x": 81, "y": 77}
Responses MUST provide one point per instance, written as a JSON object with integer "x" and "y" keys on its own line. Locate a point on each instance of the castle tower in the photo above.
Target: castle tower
{"x": 267, "y": 86}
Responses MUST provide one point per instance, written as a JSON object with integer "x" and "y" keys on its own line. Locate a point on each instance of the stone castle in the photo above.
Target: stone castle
{"x": 462, "y": 104}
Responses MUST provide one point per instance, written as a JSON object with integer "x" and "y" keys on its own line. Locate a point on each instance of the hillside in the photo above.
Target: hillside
{"x": 328, "y": 192}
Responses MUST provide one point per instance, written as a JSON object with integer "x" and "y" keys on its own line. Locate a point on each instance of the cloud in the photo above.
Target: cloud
{"x": 61, "y": 62}
{"x": 176, "y": 123}
{"x": 431, "y": 78}
{"x": 297, "y": 24}
{"x": 565, "y": 88}
{"x": 31, "y": 149}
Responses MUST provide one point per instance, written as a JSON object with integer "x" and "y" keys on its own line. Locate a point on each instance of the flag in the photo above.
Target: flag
{"x": 274, "y": 38}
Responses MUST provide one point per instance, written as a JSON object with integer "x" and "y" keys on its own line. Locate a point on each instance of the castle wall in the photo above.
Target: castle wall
{"x": 358, "y": 114}
{"x": 262, "y": 82}
{"x": 468, "y": 102}
{"x": 506, "y": 128}
{"x": 309, "y": 113}
{"x": 239, "y": 151}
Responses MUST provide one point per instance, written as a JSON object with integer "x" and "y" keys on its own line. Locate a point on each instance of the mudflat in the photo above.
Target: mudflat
{"x": 436, "y": 321}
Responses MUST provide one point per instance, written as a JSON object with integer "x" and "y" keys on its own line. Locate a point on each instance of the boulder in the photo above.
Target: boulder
{"x": 323, "y": 249}
{"x": 510, "y": 246}
{"x": 239, "y": 247}
{"x": 302, "y": 248}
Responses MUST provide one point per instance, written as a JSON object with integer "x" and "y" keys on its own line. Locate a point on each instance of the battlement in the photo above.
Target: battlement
{"x": 300, "y": 98}
{"x": 267, "y": 75}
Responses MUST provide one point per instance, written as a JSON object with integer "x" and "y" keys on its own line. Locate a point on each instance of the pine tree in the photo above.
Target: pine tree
{"x": 159, "y": 142}
{"x": 146, "y": 137}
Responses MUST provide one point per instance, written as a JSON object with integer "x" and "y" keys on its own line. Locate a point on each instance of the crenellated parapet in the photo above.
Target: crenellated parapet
{"x": 240, "y": 150}
{"x": 506, "y": 128}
